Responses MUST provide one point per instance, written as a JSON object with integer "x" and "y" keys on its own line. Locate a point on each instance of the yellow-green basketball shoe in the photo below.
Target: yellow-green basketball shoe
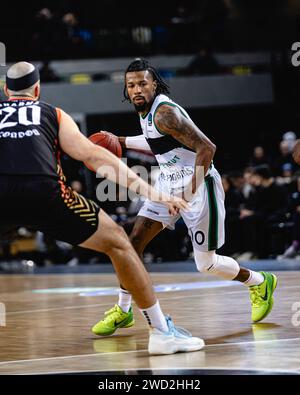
{"x": 261, "y": 297}
{"x": 114, "y": 318}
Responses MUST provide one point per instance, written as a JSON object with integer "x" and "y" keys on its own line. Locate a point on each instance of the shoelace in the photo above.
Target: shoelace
{"x": 182, "y": 331}
{"x": 178, "y": 329}
{"x": 110, "y": 314}
{"x": 255, "y": 296}
{"x": 112, "y": 310}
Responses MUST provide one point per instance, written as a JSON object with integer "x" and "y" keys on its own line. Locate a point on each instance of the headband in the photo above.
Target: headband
{"x": 18, "y": 84}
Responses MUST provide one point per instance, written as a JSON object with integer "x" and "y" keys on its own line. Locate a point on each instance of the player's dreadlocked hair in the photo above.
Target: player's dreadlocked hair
{"x": 141, "y": 65}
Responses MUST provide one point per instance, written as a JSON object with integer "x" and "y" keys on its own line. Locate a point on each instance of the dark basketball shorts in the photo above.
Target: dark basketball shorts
{"x": 47, "y": 205}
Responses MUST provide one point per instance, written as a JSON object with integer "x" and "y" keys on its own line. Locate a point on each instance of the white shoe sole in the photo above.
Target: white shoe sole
{"x": 171, "y": 346}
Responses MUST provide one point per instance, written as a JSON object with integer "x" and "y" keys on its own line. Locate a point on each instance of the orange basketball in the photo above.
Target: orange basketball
{"x": 106, "y": 140}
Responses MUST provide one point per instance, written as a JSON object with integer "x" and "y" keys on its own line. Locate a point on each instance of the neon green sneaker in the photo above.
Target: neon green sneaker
{"x": 114, "y": 318}
{"x": 261, "y": 297}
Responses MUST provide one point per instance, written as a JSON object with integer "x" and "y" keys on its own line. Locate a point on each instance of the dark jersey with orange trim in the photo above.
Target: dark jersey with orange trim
{"x": 29, "y": 138}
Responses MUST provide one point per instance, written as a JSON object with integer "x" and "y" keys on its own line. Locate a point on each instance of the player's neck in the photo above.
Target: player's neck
{"x": 143, "y": 113}
{"x": 20, "y": 97}
{"x": 146, "y": 110}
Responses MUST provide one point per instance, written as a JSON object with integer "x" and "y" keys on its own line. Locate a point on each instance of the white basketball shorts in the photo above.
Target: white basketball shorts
{"x": 204, "y": 220}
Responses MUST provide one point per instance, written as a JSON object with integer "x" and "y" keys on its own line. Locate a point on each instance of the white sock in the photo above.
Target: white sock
{"x": 124, "y": 300}
{"x": 255, "y": 278}
{"x": 155, "y": 317}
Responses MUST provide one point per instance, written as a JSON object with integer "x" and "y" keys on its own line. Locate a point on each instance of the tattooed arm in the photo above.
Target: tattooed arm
{"x": 170, "y": 121}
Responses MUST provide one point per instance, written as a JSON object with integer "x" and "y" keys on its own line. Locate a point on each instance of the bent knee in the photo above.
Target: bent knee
{"x": 204, "y": 260}
{"x": 117, "y": 240}
{"x": 222, "y": 266}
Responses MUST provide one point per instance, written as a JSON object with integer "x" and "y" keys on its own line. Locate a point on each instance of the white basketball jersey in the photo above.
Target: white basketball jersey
{"x": 175, "y": 160}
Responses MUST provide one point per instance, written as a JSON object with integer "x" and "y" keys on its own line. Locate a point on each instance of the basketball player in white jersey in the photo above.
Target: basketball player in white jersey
{"x": 181, "y": 150}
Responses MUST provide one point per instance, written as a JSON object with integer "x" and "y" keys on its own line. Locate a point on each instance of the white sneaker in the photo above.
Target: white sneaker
{"x": 175, "y": 340}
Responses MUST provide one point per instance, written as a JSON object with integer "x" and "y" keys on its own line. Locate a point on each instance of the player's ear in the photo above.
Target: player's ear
{"x": 37, "y": 91}
{"x": 154, "y": 85}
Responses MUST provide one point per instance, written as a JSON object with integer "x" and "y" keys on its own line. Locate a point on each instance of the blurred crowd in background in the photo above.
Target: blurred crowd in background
{"x": 71, "y": 30}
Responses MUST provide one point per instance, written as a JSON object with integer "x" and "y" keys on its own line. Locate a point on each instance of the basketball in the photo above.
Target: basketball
{"x": 106, "y": 140}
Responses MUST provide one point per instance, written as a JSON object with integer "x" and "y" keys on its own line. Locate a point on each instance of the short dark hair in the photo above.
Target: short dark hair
{"x": 142, "y": 65}
{"x": 264, "y": 171}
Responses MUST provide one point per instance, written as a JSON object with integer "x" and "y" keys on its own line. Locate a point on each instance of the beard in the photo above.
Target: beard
{"x": 140, "y": 107}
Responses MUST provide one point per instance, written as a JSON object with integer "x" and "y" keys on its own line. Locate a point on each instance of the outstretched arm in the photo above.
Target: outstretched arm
{"x": 75, "y": 144}
{"x": 169, "y": 120}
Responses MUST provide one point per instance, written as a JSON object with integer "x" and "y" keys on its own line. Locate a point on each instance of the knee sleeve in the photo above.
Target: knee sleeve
{"x": 222, "y": 266}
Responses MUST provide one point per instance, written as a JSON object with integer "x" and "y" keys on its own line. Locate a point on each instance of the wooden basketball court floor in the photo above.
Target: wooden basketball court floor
{"x": 49, "y": 331}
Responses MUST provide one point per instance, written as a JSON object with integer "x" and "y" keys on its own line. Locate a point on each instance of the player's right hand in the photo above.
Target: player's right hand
{"x": 174, "y": 203}
{"x": 121, "y": 139}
